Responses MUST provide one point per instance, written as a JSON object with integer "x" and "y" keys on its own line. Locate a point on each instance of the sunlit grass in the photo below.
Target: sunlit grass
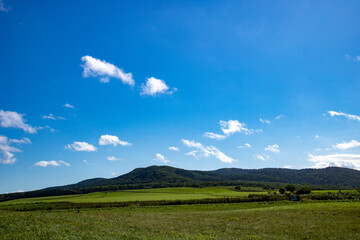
{"x": 266, "y": 220}
{"x": 181, "y": 193}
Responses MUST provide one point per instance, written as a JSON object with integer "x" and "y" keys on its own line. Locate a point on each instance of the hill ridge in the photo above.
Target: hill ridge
{"x": 167, "y": 176}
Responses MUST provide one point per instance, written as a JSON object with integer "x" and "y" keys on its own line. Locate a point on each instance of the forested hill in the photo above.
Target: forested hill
{"x": 164, "y": 176}
{"x": 169, "y": 176}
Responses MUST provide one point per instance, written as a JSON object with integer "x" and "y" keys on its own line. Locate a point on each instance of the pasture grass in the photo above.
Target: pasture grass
{"x": 156, "y": 194}
{"x": 257, "y": 220}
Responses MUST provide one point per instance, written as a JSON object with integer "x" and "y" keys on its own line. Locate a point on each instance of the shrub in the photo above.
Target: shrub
{"x": 304, "y": 190}
{"x": 281, "y": 190}
{"x": 290, "y": 188}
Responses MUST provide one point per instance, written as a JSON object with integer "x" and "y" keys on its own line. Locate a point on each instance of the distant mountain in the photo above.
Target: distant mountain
{"x": 165, "y": 176}
{"x": 331, "y": 176}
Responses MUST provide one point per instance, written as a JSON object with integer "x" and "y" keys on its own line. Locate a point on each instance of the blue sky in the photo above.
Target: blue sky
{"x": 96, "y": 89}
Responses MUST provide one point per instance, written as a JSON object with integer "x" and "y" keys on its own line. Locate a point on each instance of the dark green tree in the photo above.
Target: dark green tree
{"x": 281, "y": 190}
{"x": 304, "y": 190}
{"x": 290, "y": 188}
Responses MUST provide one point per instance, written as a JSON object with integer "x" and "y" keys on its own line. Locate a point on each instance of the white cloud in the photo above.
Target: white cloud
{"x": 51, "y": 164}
{"x": 316, "y": 136}
{"x": 67, "y": 105}
{"x": 287, "y": 166}
{"x": 336, "y": 160}
{"x": 112, "y": 158}
{"x": 192, "y": 153}
{"x": 262, "y": 157}
{"x": 112, "y": 140}
{"x": 350, "y": 58}
{"x": 94, "y": 67}
{"x": 214, "y": 136}
{"x": 48, "y": 127}
{"x": 160, "y": 158}
{"x": 7, "y": 151}
{"x": 81, "y": 147}
{"x": 113, "y": 174}
{"x": 64, "y": 163}
{"x": 85, "y": 161}
{"x": 246, "y": 145}
{"x": 234, "y": 126}
{"x": 264, "y": 121}
{"x": 279, "y": 117}
{"x": 348, "y": 116}
{"x": 154, "y": 86}
{"x": 2, "y": 7}
{"x": 192, "y": 143}
{"x": 220, "y": 155}
{"x": 206, "y": 151}
{"x": 10, "y": 119}
{"x": 105, "y": 80}
{"x": 52, "y": 117}
{"x": 172, "y": 148}
{"x": 23, "y": 140}
{"x": 347, "y": 145}
{"x": 273, "y": 148}
{"x": 230, "y": 127}
{"x": 19, "y": 191}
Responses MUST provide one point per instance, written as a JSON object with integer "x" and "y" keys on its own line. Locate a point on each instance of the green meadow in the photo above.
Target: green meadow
{"x": 156, "y": 194}
{"x": 257, "y": 220}
{"x": 75, "y": 216}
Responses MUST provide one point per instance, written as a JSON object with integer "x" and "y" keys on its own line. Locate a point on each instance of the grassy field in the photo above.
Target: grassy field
{"x": 266, "y": 220}
{"x": 147, "y": 195}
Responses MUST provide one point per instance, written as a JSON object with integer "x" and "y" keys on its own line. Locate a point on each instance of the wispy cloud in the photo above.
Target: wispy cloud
{"x": 160, "y": 158}
{"x": 279, "y": 117}
{"x": 352, "y": 58}
{"x": 265, "y": 121}
{"x": 154, "y": 86}
{"x": 7, "y": 151}
{"x": 9, "y": 119}
{"x": 347, "y": 145}
{"x": 105, "y": 80}
{"x": 112, "y": 140}
{"x": 81, "y": 147}
{"x": 172, "y": 148}
{"x": 215, "y": 136}
{"x": 273, "y": 148}
{"x": 262, "y": 157}
{"x": 94, "y": 67}
{"x": 53, "y": 117}
{"x": 67, "y": 105}
{"x": 229, "y": 128}
{"x": 49, "y": 128}
{"x": 23, "y": 140}
{"x": 112, "y": 158}
{"x": 246, "y": 145}
{"x": 51, "y": 164}
{"x": 192, "y": 153}
{"x": 346, "y": 115}
{"x": 206, "y": 151}
{"x": 335, "y": 160}
{"x": 3, "y": 8}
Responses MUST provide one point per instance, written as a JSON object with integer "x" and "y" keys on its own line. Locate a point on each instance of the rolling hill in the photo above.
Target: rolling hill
{"x": 165, "y": 176}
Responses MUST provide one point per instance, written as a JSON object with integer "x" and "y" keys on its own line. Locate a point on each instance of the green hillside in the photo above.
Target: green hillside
{"x": 165, "y": 176}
